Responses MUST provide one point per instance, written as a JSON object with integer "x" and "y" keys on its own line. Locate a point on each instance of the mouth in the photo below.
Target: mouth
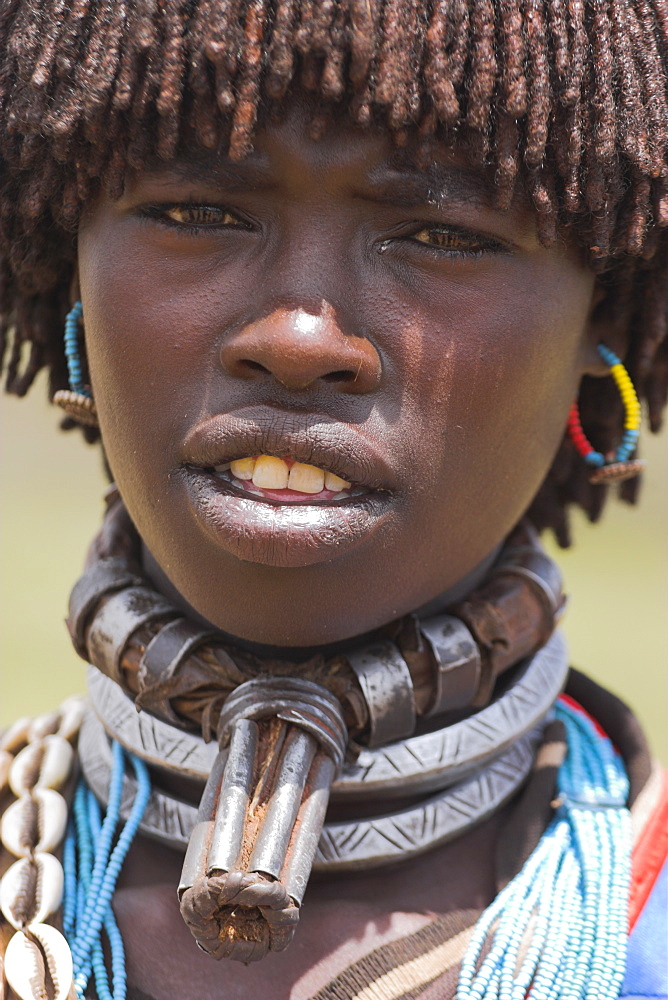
{"x": 292, "y": 491}
{"x": 284, "y": 481}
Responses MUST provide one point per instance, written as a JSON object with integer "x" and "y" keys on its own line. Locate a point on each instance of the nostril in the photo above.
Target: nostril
{"x": 279, "y": 348}
{"x": 340, "y": 376}
{"x": 255, "y": 366}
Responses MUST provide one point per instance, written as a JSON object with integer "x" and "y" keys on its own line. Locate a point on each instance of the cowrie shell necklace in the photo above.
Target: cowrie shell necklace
{"x": 36, "y": 762}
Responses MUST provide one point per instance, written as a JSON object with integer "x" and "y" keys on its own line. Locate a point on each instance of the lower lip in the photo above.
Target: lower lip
{"x": 282, "y": 534}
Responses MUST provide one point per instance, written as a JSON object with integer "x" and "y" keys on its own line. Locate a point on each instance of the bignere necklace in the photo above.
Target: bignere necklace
{"x": 284, "y": 730}
{"x": 430, "y": 726}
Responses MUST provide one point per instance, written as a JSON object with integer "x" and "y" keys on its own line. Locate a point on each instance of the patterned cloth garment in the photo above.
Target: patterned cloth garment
{"x": 426, "y": 964}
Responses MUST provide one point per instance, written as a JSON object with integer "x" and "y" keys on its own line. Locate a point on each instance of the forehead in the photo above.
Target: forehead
{"x": 285, "y": 151}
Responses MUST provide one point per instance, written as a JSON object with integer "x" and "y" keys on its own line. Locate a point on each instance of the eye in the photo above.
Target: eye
{"x": 455, "y": 240}
{"x": 193, "y": 215}
{"x": 202, "y": 215}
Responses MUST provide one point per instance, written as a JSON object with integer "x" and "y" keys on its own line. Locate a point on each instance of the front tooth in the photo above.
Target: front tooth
{"x": 306, "y": 478}
{"x": 335, "y": 483}
{"x": 242, "y": 468}
{"x": 270, "y": 473}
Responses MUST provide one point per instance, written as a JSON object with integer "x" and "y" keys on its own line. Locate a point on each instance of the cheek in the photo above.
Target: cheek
{"x": 151, "y": 340}
{"x": 492, "y": 372}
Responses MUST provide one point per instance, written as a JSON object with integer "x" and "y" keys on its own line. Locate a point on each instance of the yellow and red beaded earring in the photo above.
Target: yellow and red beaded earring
{"x": 617, "y": 465}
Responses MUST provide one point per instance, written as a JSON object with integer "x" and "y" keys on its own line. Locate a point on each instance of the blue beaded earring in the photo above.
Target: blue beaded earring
{"x": 77, "y": 400}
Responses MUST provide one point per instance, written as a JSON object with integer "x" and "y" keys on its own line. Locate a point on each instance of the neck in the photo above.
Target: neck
{"x": 436, "y": 605}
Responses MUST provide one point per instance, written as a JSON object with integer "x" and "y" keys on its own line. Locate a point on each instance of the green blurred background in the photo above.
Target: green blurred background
{"x": 50, "y": 506}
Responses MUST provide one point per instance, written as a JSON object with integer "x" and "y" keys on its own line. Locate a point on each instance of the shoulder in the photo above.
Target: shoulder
{"x": 647, "y": 963}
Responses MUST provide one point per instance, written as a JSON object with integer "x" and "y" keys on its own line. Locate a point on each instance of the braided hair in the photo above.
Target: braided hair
{"x": 567, "y": 97}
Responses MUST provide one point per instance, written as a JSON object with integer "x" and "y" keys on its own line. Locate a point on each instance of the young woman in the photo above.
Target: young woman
{"x": 330, "y": 277}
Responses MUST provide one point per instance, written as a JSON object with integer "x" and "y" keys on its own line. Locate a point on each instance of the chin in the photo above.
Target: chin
{"x": 283, "y": 629}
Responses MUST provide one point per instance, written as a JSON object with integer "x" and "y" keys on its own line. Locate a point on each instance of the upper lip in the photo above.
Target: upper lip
{"x": 314, "y": 439}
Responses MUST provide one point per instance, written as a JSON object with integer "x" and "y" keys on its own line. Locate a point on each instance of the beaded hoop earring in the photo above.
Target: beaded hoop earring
{"x": 77, "y": 400}
{"x": 618, "y": 465}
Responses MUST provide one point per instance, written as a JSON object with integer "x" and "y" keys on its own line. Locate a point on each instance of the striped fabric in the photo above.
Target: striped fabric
{"x": 402, "y": 969}
{"x": 426, "y": 964}
{"x": 433, "y": 974}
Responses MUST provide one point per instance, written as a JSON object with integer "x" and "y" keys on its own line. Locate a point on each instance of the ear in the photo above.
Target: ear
{"x": 75, "y": 293}
{"x": 606, "y": 325}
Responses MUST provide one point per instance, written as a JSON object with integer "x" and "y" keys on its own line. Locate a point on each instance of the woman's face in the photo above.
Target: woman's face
{"x": 334, "y": 304}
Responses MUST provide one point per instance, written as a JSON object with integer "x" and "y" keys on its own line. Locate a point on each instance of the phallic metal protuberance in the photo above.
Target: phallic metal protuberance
{"x": 250, "y": 855}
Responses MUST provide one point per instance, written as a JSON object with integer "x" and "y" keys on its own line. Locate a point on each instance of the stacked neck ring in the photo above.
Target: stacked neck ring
{"x": 289, "y": 734}
{"x": 460, "y": 759}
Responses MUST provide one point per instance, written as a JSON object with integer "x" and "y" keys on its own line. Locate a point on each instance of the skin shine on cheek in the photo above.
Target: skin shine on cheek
{"x": 300, "y": 306}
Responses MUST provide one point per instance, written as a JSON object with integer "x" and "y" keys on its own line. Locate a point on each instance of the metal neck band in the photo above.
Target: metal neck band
{"x": 253, "y": 841}
{"x": 417, "y": 765}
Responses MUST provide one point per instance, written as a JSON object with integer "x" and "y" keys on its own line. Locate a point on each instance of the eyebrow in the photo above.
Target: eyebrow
{"x": 436, "y": 184}
{"x": 396, "y": 182}
{"x": 209, "y": 170}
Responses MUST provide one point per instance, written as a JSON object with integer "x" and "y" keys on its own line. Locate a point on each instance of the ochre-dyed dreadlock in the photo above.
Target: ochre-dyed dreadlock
{"x": 568, "y": 96}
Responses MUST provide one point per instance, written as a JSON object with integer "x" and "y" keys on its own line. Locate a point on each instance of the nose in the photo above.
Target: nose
{"x": 302, "y": 349}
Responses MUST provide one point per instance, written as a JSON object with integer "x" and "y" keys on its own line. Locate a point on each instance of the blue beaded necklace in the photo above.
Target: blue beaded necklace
{"x": 558, "y": 931}
{"x": 569, "y": 901}
{"x": 91, "y": 869}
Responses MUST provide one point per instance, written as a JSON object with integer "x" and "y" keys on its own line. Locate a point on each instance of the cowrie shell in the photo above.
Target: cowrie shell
{"x": 31, "y": 890}
{"x": 43, "y": 725}
{"x": 38, "y": 964}
{"x": 16, "y": 736}
{"x": 46, "y": 763}
{"x": 34, "y": 823}
{"x": 6, "y": 761}
{"x": 71, "y": 713}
